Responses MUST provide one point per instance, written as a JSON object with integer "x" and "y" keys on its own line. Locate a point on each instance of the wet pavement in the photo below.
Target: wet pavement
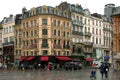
{"x": 54, "y": 75}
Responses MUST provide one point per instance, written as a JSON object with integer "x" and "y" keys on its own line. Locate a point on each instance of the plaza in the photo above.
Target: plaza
{"x": 54, "y": 75}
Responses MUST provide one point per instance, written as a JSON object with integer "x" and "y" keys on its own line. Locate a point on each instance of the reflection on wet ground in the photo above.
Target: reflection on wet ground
{"x": 54, "y": 75}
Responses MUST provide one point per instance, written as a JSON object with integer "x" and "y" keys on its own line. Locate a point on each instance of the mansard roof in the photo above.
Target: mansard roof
{"x": 43, "y": 10}
{"x": 97, "y": 15}
{"x": 18, "y": 19}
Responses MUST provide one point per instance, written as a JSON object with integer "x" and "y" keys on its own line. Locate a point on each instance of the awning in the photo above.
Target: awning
{"x": 44, "y": 58}
{"x": 22, "y": 58}
{"x": 63, "y": 58}
{"x": 30, "y": 58}
{"x": 89, "y": 59}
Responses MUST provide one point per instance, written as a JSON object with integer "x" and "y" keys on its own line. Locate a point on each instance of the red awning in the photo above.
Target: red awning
{"x": 63, "y": 58}
{"x": 89, "y": 59}
{"x": 22, "y": 58}
{"x": 44, "y": 58}
{"x": 30, "y": 58}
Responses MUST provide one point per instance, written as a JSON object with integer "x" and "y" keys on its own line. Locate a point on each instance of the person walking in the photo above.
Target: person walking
{"x": 104, "y": 70}
{"x": 93, "y": 73}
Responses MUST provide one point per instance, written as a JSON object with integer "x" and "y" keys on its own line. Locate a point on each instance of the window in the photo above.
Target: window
{"x": 6, "y": 30}
{"x": 44, "y": 31}
{"x": 64, "y": 34}
{"x": 67, "y": 24}
{"x": 11, "y": 38}
{"x": 44, "y": 41}
{"x": 93, "y": 39}
{"x": 67, "y": 34}
{"x": 31, "y": 23}
{"x": 35, "y": 33}
{"x": 58, "y": 52}
{"x": 58, "y": 33}
{"x": 85, "y": 29}
{"x": 54, "y": 32}
{"x": 9, "y": 29}
{"x": 44, "y": 10}
{"x": 93, "y": 22}
{"x": 85, "y": 21}
{"x": 93, "y": 30}
{"x": 35, "y": 23}
{"x": 23, "y": 25}
{"x": 58, "y": 41}
{"x": 54, "y": 22}
{"x": 96, "y": 31}
{"x": 54, "y": 41}
{"x": 88, "y": 29}
{"x": 100, "y": 32}
{"x": 88, "y": 22}
{"x": 26, "y": 24}
{"x": 44, "y": 21}
{"x": 5, "y": 40}
{"x": 96, "y": 22}
{"x": 45, "y": 52}
{"x": 26, "y": 34}
{"x": 100, "y": 41}
{"x": 96, "y": 40}
{"x": 64, "y": 24}
{"x": 58, "y": 23}
{"x": 31, "y": 33}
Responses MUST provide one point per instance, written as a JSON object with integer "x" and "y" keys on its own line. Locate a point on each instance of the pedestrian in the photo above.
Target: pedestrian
{"x": 94, "y": 65}
{"x": 93, "y": 73}
{"x": 104, "y": 70}
{"x": 49, "y": 67}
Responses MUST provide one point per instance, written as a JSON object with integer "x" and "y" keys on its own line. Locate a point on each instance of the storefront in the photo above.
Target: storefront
{"x": 116, "y": 62}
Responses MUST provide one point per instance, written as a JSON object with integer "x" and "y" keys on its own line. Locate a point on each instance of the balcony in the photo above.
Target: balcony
{"x": 87, "y": 33}
{"x": 78, "y": 23}
{"x": 66, "y": 47}
{"x": 88, "y": 51}
{"x": 33, "y": 46}
{"x": 8, "y": 43}
{"x": 44, "y": 45}
{"x": 77, "y": 33}
{"x": 88, "y": 43}
{"x": 57, "y": 46}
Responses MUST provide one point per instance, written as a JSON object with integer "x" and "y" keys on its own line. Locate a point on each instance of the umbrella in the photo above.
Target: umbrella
{"x": 106, "y": 57}
{"x": 50, "y": 63}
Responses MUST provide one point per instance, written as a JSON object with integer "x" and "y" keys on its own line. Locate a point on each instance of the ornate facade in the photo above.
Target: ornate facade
{"x": 43, "y": 31}
{"x": 8, "y": 39}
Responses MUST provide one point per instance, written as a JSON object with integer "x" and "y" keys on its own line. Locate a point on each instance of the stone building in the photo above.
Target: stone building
{"x": 8, "y": 38}
{"x": 42, "y": 31}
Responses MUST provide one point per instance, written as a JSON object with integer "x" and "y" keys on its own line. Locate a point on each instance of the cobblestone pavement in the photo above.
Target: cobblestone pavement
{"x": 54, "y": 75}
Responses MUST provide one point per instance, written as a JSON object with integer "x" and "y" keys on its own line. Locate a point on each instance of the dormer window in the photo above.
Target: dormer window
{"x": 44, "y": 10}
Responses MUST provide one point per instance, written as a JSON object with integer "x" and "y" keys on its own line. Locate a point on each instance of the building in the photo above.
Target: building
{"x": 87, "y": 34}
{"x": 116, "y": 40}
{"x": 113, "y": 12}
{"x": 109, "y": 9}
{"x": 8, "y": 38}
{"x": 76, "y": 13}
{"x": 97, "y": 36}
{"x": 1, "y": 54}
{"x": 107, "y": 38}
{"x": 43, "y": 31}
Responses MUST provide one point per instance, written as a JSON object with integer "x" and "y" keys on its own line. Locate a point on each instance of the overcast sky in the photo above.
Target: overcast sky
{"x": 14, "y": 7}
